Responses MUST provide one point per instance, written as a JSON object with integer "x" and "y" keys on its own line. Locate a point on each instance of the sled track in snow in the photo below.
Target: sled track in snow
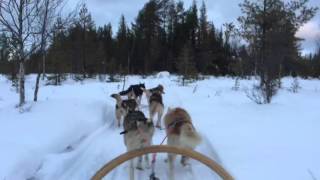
{"x": 92, "y": 148}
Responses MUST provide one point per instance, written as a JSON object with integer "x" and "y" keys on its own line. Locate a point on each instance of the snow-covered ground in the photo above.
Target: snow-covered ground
{"x": 70, "y": 132}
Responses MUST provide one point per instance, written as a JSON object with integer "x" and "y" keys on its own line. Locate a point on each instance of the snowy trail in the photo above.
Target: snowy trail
{"x": 83, "y": 159}
{"x": 70, "y": 133}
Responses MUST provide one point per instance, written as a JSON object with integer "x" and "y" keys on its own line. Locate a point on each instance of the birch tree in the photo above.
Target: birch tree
{"x": 49, "y": 11}
{"x": 18, "y": 19}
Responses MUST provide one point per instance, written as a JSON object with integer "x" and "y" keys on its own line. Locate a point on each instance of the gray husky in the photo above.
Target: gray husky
{"x": 138, "y": 133}
{"x": 155, "y": 101}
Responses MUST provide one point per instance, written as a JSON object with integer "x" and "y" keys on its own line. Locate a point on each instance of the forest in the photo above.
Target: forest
{"x": 165, "y": 36}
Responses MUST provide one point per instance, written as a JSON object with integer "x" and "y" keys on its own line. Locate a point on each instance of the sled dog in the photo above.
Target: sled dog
{"x": 180, "y": 132}
{"x": 134, "y": 92}
{"x": 158, "y": 89}
{"x": 123, "y": 106}
{"x": 156, "y": 106}
{"x": 138, "y": 133}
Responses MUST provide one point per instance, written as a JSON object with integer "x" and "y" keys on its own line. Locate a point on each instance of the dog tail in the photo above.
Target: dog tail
{"x": 189, "y": 137}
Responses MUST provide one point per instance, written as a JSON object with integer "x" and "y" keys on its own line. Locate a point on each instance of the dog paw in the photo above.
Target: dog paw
{"x": 139, "y": 168}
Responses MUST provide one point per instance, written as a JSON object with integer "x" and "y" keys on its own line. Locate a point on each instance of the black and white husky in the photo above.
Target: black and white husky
{"x": 134, "y": 92}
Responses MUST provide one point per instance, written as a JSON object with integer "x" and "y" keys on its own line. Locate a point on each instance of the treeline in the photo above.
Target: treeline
{"x": 154, "y": 42}
{"x": 310, "y": 65}
{"x": 165, "y": 36}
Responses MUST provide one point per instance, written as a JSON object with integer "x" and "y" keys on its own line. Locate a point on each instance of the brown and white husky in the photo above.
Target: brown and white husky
{"x": 138, "y": 133}
{"x": 155, "y": 101}
{"x": 180, "y": 132}
{"x": 123, "y": 106}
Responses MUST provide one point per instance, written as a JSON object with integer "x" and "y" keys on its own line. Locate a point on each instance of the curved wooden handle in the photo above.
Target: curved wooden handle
{"x": 162, "y": 149}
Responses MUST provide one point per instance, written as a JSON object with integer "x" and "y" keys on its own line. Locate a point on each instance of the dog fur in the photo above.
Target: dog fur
{"x": 180, "y": 132}
{"x": 134, "y": 92}
{"x": 155, "y": 101}
{"x": 158, "y": 89}
{"x": 138, "y": 133}
{"x": 148, "y": 92}
{"x": 123, "y": 107}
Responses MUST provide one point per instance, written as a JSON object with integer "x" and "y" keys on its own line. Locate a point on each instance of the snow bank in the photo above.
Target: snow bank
{"x": 163, "y": 74}
{"x": 52, "y": 125}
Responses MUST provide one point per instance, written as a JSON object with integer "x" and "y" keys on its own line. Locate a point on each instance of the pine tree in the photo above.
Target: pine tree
{"x": 122, "y": 44}
{"x": 185, "y": 65}
{"x": 4, "y": 54}
{"x": 270, "y": 27}
{"x": 204, "y": 54}
{"x": 192, "y": 24}
{"x": 86, "y": 25}
{"x": 148, "y": 30}
{"x": 58, "y": 58}
{"x": 203, "y": 26}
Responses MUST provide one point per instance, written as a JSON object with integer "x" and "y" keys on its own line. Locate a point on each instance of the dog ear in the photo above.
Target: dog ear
{"x": 161, "y": 88}
{"x": 113, "y": 95}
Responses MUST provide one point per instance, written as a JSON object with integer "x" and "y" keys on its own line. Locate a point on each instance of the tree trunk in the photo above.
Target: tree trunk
{"x": 21, "y": 83}
{"x": 35, "y": 98}
{"x": 43, "y": 67}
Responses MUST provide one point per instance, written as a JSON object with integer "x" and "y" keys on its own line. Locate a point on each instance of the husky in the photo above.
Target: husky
{"x": 149, "y": 92}
{"x": 134, "y": 92}
{"x": 158, "y": 89}
{"x": 123, "y": 106}
{"x": 138, "y": 133}
{"x": 180, "y": 132}
{"x": 156, "y": 106}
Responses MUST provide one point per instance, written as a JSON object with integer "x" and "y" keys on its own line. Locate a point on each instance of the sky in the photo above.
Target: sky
{"x": 219, "y": 11}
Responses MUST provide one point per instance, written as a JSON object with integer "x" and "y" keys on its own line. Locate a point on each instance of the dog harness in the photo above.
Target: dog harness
{"x": 174, "y": 127}
{"x": 156, "y": 97}
{"x": 130, "y": 121}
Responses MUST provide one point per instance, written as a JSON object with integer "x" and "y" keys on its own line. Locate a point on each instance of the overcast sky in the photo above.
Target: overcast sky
{"x": 219, "y": 11}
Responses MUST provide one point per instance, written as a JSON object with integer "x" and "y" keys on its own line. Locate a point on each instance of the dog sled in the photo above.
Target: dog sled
{"x": 162, "y": 149}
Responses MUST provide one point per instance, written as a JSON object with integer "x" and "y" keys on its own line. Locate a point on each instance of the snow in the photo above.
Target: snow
{"x": 70, "y": 133}
{"x": 163, "y": 74}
